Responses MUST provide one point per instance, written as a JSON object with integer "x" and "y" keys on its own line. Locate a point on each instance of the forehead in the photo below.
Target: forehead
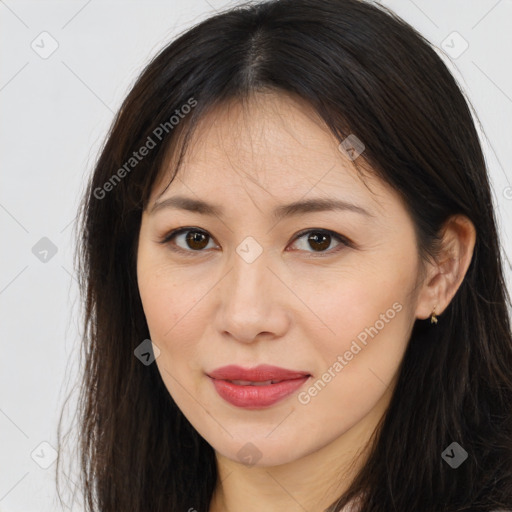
{"x": 271, "y": 144}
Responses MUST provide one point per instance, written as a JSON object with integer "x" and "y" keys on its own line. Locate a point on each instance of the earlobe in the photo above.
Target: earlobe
{"x": 446, "y": 274}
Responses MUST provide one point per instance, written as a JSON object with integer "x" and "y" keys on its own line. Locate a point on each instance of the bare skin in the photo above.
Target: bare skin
{"x": 294, "y": 306}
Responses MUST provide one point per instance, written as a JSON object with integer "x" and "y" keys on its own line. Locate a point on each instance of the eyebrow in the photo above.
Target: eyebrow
{"x": 287, "y": 210}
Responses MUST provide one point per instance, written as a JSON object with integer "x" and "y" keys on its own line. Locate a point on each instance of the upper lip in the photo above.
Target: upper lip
{"x": 259, "y": 373}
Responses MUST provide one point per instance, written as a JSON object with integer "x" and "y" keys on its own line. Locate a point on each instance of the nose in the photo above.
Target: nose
{"x": 253, "y": 301}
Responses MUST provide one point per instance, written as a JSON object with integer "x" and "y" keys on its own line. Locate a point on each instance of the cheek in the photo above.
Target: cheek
{"x": 173, "y": 324}
{"x": 165, "y": 293}
{"x": 368, "y": 317}
{"x": 355, "y": 367}
{"x": 159, "y": 302}
{"x": 169, "y": 307}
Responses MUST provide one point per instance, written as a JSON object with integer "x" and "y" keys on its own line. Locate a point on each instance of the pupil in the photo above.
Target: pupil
{"x": 323, "y": 245}
{"x": 195, "y": 237}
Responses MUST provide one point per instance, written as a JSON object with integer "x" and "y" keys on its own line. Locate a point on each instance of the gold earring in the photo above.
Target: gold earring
{"x": 433, "y": 317}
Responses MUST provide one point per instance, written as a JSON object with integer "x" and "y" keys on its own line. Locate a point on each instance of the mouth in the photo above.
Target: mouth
{"x": 258, "y": 387}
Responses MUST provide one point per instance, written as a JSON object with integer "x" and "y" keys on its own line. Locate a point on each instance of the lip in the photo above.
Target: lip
{"x": 256, "y": 396}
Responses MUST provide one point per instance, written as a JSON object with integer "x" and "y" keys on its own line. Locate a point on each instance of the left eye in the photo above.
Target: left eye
{"x": 320, "y": 240}
{"x": 196, "y": 240}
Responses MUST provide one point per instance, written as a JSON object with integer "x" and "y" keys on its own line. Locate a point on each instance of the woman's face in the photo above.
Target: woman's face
{"x": 260, "y": 283}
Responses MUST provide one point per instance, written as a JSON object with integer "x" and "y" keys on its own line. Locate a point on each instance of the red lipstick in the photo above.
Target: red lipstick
{"x": 258, "y": 387}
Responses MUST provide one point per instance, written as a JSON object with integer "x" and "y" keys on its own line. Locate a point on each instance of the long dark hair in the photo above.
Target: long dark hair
{"x": 365, "y": 72}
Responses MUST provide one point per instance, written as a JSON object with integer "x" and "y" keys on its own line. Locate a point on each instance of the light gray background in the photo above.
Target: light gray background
{"x": 55, "y": 112}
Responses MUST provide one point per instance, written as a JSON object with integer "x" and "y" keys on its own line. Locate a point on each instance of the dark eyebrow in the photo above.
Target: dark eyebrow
{"x": 287, "y": 210}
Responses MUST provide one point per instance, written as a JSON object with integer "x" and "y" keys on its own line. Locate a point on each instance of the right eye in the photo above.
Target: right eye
{"x": 193, "y": 240}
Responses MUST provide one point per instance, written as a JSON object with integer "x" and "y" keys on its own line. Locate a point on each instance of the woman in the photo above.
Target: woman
{"x": 292, "y": 277}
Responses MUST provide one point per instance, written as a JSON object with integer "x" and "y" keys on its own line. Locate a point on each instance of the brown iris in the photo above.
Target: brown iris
{"x": 197, "y": 240}
{"x": 323, "y": 239}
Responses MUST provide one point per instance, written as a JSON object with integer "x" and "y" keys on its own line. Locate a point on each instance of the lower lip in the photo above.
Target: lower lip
{"x": 256, "y": 397}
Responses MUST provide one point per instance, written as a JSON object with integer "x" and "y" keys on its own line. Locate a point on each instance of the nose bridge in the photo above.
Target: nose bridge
{"x": 250, "y": 304}
{"x": 249, "y": 282}
{"x": 250, "y": 272}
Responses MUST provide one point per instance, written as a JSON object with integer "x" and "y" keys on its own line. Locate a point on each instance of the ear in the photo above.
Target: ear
{"x": 444, "y": 276}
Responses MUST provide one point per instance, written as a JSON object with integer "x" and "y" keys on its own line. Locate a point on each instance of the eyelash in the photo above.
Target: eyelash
{"x": 344, "y": 242}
